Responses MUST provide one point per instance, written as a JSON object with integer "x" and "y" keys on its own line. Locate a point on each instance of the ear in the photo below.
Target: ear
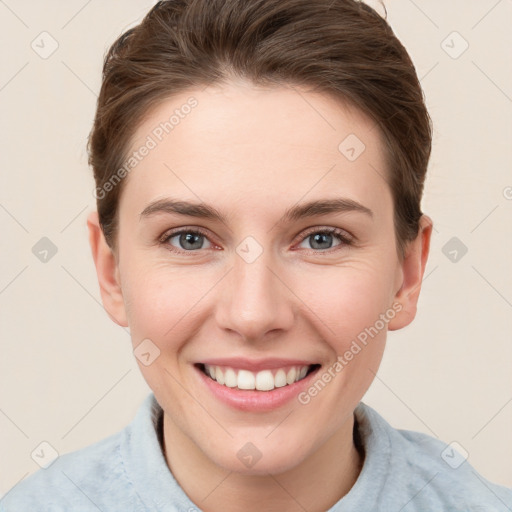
{"x": 107, "y": 271}
{"x": 412, "y": 269}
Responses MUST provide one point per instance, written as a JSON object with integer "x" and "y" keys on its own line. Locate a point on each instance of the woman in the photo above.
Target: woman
{"x": 259, "y": 170}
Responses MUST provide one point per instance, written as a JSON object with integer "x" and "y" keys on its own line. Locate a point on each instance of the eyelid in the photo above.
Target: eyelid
{"x": 171, "y": 233}
{"x": 178, "y": 231}
{"x": 342, "y": 233}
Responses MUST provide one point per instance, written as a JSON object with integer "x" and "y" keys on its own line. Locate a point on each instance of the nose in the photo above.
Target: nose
{"x": 255, "y": 299}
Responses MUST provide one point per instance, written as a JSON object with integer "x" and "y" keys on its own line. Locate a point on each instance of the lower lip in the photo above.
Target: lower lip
{"x": 253, "y": 400}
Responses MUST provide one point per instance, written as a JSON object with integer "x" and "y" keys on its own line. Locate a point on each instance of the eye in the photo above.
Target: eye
{"x": 321, "y": 239}
{"x": 188, "y": 240}
{"x": 192, "y": 240}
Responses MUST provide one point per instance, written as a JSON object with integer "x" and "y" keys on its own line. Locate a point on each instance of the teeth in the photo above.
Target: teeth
{"x": 230, "y": 379}
{"x": 290, "y": 377}
{"x": 219, "y": 376}
{"x": 280, "y": 379}
{"x": 246, "y": 379}
{"x": 264, "y": 380}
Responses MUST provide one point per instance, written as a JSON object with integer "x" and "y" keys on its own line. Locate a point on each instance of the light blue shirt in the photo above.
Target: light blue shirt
{"x": 403, "y": 471}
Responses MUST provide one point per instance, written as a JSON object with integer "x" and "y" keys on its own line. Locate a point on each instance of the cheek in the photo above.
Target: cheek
{"x": 348, "y": 317}
{"x": 157, "y": 300}
{"x": 162, "y": 310}
{"x": 347, "y": 301}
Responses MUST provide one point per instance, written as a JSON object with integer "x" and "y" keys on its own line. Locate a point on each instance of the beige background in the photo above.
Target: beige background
{"x": 67, "y": 373}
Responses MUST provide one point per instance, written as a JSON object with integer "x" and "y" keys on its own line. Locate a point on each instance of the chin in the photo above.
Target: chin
{"x": 258, "y": 458}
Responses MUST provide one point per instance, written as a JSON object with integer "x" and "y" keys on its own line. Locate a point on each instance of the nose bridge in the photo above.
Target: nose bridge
{"x": 254, "y": 300}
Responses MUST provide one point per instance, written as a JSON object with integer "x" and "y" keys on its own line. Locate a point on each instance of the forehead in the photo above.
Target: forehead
{"x": 237, "y": 142}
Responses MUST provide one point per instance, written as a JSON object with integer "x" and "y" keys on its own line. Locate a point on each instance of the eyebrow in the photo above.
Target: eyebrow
{"x": 297, "y": 212}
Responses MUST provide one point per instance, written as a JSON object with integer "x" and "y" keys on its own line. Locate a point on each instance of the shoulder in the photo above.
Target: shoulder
{"x": 448, "y": 476}
{"x": 429, "y": 473}
{"x": 75, "y": 481}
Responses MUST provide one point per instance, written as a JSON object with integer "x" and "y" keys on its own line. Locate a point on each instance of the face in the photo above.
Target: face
{"x": 250, "y": 286}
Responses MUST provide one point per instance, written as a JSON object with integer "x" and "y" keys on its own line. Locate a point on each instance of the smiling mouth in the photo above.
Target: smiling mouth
{"x": 264, "y": 380}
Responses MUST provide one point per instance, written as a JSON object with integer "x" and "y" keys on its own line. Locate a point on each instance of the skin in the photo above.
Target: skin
{"x": 252, "y": 153}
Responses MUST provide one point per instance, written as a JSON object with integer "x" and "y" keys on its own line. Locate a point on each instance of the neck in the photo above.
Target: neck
{"x": 316, "y": 484}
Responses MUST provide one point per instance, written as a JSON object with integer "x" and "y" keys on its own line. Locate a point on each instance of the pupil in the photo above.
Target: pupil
{"x": 189, "y": 238}
{"x": 318, "y": 239}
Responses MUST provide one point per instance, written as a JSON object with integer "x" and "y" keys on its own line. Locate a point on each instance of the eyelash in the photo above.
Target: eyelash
{"x": 342, "y": 236}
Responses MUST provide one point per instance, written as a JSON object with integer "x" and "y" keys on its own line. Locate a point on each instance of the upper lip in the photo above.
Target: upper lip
{"x": 256, "y": 364}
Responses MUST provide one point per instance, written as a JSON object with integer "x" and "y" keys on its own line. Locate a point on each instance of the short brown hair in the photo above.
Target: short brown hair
{"x": 341, "y": 47}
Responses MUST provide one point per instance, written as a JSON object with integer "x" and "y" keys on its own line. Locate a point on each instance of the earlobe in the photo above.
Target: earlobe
{"x": 107, "y": 272}
{"x": 412, "y": 269}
